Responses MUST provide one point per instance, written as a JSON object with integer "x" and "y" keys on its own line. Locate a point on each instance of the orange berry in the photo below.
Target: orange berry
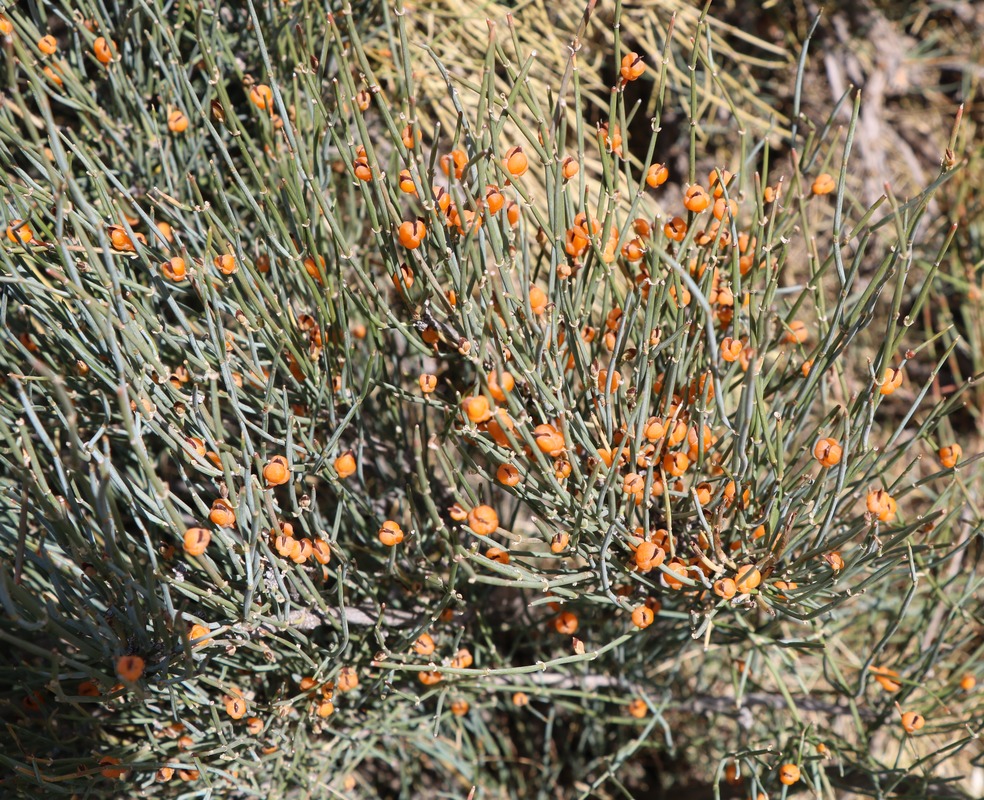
{"x": 235, "y": 707}
{"x": 676, "y": 570}
{"x": 494, "y": 199}
{"x": 174, "y": 269}
{"x": 499, "y": 425}
{"x": 632, "y": 67}
{"x": 569, "y": 168}
{"x": 428, "y": 382}
{"x": 408, "y": 137}
{"x": 789, "y": 774}
{"x": 477, "y": 408}
{"x": 654, "y": 429}
{"x": 261, "y": 96}
{"x": 696, "y": 199}
{"x": 198, "y": 632}
{"x": 798, "y": 333}
{"x": 834, "y": 560}
{"x": 404, "y": 280}
{"x": 520, "y": 699}
{"x": 648, "y": 555}
{"x": 748, "y": 578}
{"x": 516, "y": 162}
{"x": 823, "y": 184}
{"x": 968, "y": 682}
{"x": 675, "y": 229}
{"x": 886, "y": 678}
{"x": 311, "y": 268}
{"x": 48, "y": 45}
{"x": 226, "y": 264}
{"x": 731, "y": 349}
{"x": 463, "y": 659}
{"x": 678, "y": 434}
{"x": 6, "y": 26}
{"x": 177, "y": 121}
{"x": 950, "y": 455}
{"x": 424, "y": 645}
{"x": 611, "y": 137}
{"x": 348, "y": 680}
{"x": 110, "y": 769}
{"x": 676, "y": 464}
{"x": 120, "y": 239}
{"x": 456, "y": 158}
{"x": 642, "y": 617}
{"x": 459, "y": 707}
{"x": 637, "y": 708}
{"x": 442, "y": 198}
{"x": 828, "y": 452}
{"x": 576, "y": 242}
{"x": 500, "y": 384}
{"x": 497, "y": 554}
{"x": 483, "y": 520}
{"x": 726, "y": 588}
{"x": 411, "y": 233}
{"x": 633, "y": 483}
{"x": 633, "y": 250}
{"x": 718, "y": 181}
{"x": 720, "y": 207}
{"x": 877, "y": 501}
{"x": 406, "y": 183}
{"x": 130, "y": 668}
{"x": 508, "y": 475}
{"x": 657, "y": 175}
{"x": 559, "y": 542}
{"x": 196, "y": 540}
{"x": 784, "y": 586}
{"x": 345, "y": 465}
{"x": 538, "y": 300}
{"x": 566, "y": 623}
{"x": 103, "y": 49}
{"x": 891, "y": 380}
{"x": 222, "y": 514}
{"x": 912, "y": 722}
{"x": 321, "y": 551}
{"x": 390, "y": 533}
{"x": 549, "y": 440}
{"x": 512, "y": 213}
{"x": 430, "y": 677}
{"x": 19, "y": 233}
{"x": 276, "y": 472}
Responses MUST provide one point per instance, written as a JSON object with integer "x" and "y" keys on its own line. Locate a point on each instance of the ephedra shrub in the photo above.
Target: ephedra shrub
{"x": 341, "y": 459}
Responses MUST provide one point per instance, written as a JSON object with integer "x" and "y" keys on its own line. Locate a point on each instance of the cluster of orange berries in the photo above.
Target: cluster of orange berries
{"x": 580, "y": 235}
{"x": 882, "y": 505}
{"x": 300, "y": 550}
{"x": 411, "y": 233}
{"x": 323, "y": 694}
{"x": 174, "y": 269}
{"x": 425, "y": 646}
